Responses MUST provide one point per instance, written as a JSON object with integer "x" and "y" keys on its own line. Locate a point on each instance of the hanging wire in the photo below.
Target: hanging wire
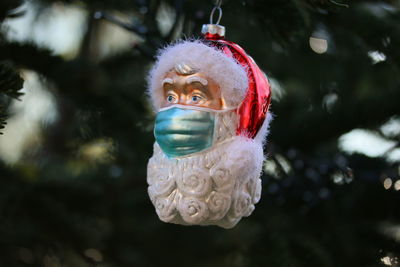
{"x": 339, "y": 4}
{"x": 217, "y": 6}
{"x": 218, "y": 3}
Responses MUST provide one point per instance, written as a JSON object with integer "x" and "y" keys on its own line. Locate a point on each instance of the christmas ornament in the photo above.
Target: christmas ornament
{"x": 212, "y": 118}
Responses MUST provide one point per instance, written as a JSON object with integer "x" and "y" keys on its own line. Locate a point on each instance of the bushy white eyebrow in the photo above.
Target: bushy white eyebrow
{"x": 167, "y": 80}
{"x": 196, "y": 79}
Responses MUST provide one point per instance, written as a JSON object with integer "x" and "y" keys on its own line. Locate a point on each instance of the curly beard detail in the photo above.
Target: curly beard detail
{"x": 218, "y": 186}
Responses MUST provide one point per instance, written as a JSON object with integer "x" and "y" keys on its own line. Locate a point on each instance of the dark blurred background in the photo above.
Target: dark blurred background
{"x": 78, "y": 136}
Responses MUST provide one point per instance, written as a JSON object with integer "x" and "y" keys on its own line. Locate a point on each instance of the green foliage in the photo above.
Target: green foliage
{"x": 10, "y": 81}
{"x": 10, "y": 84}
{"x": 8, "y": 8}
{"x": 3, "y": 118}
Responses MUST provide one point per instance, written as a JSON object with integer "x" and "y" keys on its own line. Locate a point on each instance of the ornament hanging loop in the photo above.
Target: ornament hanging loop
{"x": 214, "y": 31}
{"x": 216, "y": 7}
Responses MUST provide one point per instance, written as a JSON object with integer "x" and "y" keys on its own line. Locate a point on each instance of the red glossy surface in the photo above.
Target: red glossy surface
{"x": 253, "y": 110}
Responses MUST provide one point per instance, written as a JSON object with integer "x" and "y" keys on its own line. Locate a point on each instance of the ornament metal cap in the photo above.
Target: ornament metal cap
{"x": 213, "y": 31}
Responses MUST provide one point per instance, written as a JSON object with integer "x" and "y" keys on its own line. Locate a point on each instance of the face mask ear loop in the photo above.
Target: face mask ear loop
{"x": 216, "y": 123}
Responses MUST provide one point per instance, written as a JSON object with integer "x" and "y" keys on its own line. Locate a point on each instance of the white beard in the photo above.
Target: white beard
{"x": 217, "y": 186}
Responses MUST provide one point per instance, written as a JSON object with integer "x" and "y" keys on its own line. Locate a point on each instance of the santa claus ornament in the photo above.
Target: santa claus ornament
{"x": 211, "y": 102}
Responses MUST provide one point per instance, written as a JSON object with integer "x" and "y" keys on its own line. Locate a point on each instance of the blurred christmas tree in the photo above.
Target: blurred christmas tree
{"x": 76, "y": 144}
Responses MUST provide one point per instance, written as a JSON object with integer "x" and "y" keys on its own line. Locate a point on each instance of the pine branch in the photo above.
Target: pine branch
{"x": 10, "y": 81}
{"x": 179, "y": 13}
{"x": 29, "y": 55}
{"x": 3, "y": 118}
{"x": 8, "y": 9}
{"x": 10, "y": 85}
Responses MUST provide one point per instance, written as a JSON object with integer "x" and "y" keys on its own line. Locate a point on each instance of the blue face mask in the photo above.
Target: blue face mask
{"x": 181, "y": 131}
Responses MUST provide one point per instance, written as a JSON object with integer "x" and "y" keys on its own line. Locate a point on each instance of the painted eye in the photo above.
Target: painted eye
{"x": 196, "y": 98}
{"x": 170, "y": 98}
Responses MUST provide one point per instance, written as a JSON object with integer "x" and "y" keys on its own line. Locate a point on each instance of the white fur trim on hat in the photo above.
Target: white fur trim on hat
{"x": 230, "y": 75}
